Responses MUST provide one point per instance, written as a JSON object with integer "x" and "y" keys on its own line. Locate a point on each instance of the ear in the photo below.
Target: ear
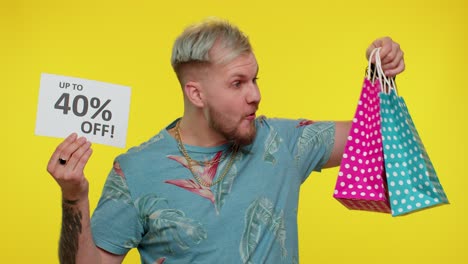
{"x": 194, "y": 93}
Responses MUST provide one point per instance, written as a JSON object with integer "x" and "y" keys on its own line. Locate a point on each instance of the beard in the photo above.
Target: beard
{"x": 230, "y": 129}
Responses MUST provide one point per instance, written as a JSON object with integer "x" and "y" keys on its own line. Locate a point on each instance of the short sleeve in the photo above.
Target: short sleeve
{"x": 115, "y": 223}
{"x": 310, "y": 142}
{"x": 314, "y": 146}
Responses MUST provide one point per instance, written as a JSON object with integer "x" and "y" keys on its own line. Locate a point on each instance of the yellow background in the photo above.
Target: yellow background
{"x": 311, "y": 56}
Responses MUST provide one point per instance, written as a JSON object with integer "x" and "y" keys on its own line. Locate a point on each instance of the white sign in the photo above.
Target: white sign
{"x": 95, "y": 110}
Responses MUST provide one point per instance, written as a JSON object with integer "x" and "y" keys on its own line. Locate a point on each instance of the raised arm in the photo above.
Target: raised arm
{"x": 392, "y": 64}
{"x": 66, "y": 167}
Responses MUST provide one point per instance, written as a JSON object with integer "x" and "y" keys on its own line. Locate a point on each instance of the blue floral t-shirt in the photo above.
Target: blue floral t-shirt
{"x": 151, "y": 200}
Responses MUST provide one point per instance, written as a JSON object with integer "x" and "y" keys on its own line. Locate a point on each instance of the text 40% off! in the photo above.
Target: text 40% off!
{"x": 80, "y": 106}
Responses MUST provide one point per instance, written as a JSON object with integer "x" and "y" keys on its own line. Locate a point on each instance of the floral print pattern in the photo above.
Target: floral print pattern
{"x": 207, "y": 174}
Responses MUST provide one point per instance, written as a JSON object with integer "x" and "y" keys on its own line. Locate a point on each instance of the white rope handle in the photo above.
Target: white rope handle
{"x": 378, "y": 67}
{"x": 369, "y": 67}
{"x": 387, "y": 84}
{"x": 393, "y": 85}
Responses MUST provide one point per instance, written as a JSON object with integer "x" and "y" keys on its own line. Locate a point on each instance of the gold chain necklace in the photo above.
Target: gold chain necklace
{"x": 192, "y": 162}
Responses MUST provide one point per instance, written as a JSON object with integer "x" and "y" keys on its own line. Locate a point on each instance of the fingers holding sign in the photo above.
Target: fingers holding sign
{"x": 66, "y": 166}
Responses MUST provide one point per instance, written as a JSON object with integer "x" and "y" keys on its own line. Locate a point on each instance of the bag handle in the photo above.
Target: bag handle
{"x": 378, "y": 72}
{"x": 387, "y": 84}
{"x": 369, "y": 67}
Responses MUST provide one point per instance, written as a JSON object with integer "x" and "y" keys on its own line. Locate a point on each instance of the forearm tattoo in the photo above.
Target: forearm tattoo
{"x": 71, "y": 228}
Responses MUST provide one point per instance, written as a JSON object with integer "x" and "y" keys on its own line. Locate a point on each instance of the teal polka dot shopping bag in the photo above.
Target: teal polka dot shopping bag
{"x": 411, "y": 178}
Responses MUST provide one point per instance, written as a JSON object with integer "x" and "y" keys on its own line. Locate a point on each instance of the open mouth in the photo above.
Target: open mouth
{"x": 251, "y": 116}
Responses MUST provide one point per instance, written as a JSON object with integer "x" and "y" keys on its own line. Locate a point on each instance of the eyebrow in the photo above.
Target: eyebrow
{"x": 241, "y": 75}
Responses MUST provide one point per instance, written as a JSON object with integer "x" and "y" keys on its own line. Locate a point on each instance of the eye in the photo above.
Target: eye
{"x": 237, "y": 84}
{"x": 254, "y": 80}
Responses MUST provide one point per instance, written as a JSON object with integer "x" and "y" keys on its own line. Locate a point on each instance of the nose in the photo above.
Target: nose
{"x": 253, "y": 94}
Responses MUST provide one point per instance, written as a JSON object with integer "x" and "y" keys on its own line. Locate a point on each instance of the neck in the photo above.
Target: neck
{"x": 194, "y": 130}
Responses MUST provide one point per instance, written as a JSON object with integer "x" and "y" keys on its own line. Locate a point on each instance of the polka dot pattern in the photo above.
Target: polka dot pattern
{"x": 412, "y": 180}
{"x": 360, "y": 182}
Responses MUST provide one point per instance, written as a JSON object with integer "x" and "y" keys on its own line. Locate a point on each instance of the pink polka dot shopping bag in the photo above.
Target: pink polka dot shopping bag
{"x": 361, "y": 181}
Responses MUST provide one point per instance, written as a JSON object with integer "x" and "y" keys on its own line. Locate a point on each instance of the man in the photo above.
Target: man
{"x": 218, "y": 184}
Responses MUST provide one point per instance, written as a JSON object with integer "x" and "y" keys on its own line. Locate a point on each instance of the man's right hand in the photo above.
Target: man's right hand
{"x": 66, "y": 166}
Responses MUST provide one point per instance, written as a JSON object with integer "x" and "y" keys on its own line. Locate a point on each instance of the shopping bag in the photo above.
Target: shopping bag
{"x": 360, "y": 184}
{"x": 412, "y": 180}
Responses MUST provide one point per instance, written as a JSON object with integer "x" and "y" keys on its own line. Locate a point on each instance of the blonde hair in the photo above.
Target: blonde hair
{"x": 196, "y": 41}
